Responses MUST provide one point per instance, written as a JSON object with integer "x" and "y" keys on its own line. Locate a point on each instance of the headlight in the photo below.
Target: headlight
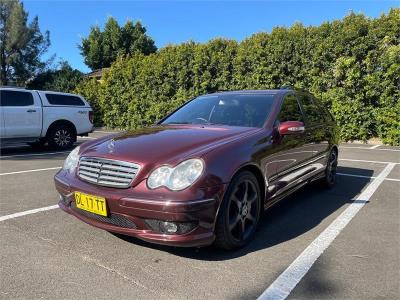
{"x": 177, "y": 178}
{"x": 72, "y": 160}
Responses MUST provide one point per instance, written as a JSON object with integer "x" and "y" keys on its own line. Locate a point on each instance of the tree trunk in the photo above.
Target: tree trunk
{"x": 3, "y": 75}
{"x": 3, "y": 71}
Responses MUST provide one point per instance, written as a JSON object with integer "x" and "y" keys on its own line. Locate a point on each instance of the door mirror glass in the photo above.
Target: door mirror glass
{"x": 291, "y": 127}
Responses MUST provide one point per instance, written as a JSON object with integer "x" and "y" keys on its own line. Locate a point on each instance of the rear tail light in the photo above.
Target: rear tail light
{"x": 91, "y": 116}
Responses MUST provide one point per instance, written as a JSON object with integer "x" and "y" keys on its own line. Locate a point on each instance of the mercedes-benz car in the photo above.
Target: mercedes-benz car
{"x": 205, "y": 173}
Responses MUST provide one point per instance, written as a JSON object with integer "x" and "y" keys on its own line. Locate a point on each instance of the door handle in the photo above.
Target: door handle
{"x": 31, "y": 110}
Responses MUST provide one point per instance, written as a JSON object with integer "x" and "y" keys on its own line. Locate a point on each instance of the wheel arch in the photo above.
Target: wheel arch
{"x": 61, "y": 122}
{"x": 256, "y": 171}
{"x": 219, "y": 230}
{"x": 336, "y": 149}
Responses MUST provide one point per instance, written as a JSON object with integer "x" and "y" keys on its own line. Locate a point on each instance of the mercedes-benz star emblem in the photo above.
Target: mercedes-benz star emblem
{"x": 111, "y": 146}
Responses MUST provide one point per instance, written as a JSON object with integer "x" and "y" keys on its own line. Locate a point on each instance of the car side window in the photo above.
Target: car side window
{"x": 324, "y": 111}
{"x": 314, "y": 114}
{"x": 16, "y": 98}
{"x": 56, "y": 99}
{"x": 290, "y": 110}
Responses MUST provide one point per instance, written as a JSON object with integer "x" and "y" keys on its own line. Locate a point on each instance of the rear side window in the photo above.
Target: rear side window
{"x": 314, "y": 114}
{"x": 56, "y": 99}
{"x": 16, "y": 98}
{"x": 290, "y": 110}
{"x": 327, "y": 115}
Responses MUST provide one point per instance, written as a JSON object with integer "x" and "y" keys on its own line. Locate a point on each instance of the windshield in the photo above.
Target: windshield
{"x": 247, "y": 110}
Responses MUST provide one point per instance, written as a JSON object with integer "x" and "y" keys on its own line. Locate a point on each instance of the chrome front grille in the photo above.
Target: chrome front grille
{"x": 107, "y": 172}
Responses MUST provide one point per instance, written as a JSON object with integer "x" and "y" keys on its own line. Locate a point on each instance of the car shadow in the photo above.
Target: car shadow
{"x": 289, "y": 219}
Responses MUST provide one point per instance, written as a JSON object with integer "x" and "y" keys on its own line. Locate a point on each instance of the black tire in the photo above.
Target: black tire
{"x": 329, "y": 180}
{"x": 61, "y": 137}
{"x": 239, "y": 213}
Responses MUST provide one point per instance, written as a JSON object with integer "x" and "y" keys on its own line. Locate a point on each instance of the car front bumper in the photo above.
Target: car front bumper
{"x": 130, "y": 215}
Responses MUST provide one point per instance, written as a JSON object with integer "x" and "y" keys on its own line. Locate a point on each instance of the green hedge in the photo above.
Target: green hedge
{"x": 352, "y": 65}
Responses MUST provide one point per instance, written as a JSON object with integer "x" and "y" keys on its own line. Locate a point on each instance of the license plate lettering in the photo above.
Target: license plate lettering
{"x": 91, "y": 203}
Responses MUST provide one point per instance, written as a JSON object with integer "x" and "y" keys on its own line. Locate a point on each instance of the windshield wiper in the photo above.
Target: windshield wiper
{"x": 213, "y": 124}
{"x": 177, "y": 123}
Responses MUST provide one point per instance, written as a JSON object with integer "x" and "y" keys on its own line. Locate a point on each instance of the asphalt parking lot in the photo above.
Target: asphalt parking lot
{"x": 350, "y": 236}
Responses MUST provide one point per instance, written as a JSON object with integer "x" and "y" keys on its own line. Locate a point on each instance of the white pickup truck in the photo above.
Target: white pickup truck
{"x": 39, "y": 117}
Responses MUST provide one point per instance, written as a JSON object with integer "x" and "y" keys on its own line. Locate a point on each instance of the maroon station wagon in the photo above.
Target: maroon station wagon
{"x": 205, "y": 173}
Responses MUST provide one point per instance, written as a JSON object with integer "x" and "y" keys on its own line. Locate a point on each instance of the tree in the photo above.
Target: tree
{"x": 92, "y": 49}
{"x": 62, "y": 79}
{"x": 101, "y": 49}
{"x": 352, "y": 65}
{"x": 21, "y": 44}
{"x": 134, "y": 39}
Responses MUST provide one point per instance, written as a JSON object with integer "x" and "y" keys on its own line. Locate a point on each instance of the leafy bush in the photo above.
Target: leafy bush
{"x": 92, "y": 91}
{"x": 62, "y": 79}
{"x": 352, "y": 65}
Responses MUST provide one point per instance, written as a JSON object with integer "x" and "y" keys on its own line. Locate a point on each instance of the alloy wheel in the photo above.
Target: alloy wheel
{"x": 243, "y": 210}
{"x": 62, "y": 137}
{"x": 331, "y": 168}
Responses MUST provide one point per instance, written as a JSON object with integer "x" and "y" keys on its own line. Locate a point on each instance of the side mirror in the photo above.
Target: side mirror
{"x": 291, "y": 127}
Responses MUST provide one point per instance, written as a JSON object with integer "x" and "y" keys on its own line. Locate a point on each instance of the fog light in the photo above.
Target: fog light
{"x": 169, "y": 227}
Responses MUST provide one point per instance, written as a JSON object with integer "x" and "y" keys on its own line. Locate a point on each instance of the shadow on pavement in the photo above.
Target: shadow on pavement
{"x": 292, "y": 217}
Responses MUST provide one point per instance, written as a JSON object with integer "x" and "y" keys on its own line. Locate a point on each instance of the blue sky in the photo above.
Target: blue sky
{"x": 179, "y": 21}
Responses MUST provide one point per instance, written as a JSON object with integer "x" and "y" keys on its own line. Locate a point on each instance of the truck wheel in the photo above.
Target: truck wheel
{"x": 61, "y": 137}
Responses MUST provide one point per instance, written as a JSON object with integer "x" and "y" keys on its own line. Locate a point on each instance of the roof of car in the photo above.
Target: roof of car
{"x": 274, "y": 92}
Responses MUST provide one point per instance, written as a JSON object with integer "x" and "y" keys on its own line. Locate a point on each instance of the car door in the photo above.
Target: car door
{"x": 291, "y": 151}
{"x": 22, "y": 114}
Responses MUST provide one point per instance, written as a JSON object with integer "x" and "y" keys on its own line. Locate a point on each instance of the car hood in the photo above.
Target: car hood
{"x": 163, "y": 144}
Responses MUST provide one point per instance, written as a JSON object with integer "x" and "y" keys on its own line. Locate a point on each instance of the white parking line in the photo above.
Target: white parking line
{"x": 29, "y": 171}
{"x": 27, "y": 212}
{"x": 369, "y": 148}
{"x": 367, "y": 177}
{"x": 13, "y": 146}
{"x": 287, "y": 281}
{"x": 87, "y": 137}
{"x": 354, "y": 175}
{"x": 374, "y": 147}
{"x": 392, "y": 179}
{"x": 369, "y": 161}
{"x": 34, "y": 154}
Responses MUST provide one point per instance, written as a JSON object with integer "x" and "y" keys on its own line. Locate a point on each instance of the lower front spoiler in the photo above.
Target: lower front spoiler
{"x": 191, "y": 239}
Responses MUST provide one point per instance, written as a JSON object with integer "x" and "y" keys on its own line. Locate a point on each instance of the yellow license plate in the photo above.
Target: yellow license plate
{"x": 90, "y": 203}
